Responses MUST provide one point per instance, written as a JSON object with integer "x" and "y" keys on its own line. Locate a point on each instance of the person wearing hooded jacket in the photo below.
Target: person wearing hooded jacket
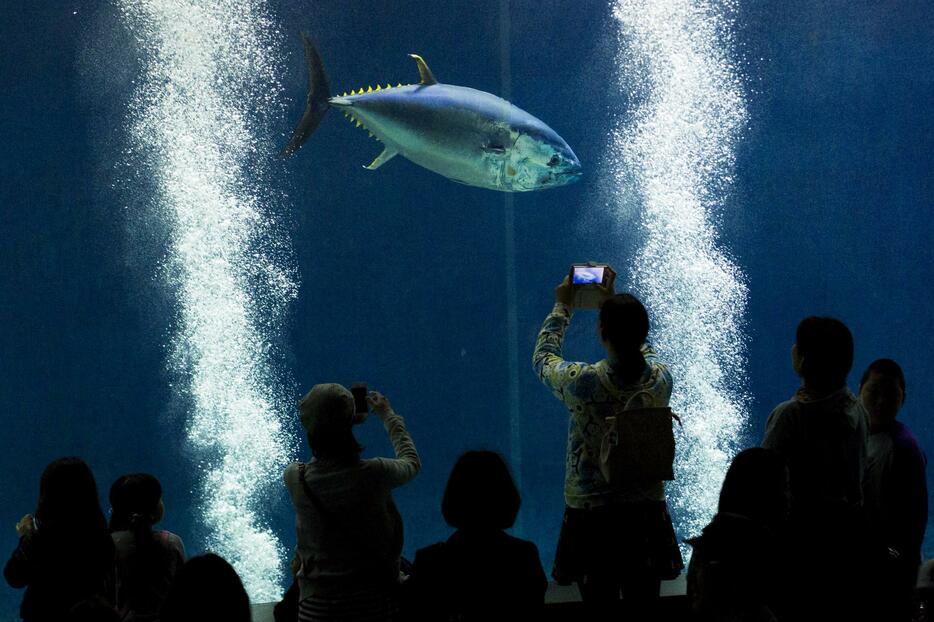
{"x": 348, "y": 528}
{"x": 822, "y": 433}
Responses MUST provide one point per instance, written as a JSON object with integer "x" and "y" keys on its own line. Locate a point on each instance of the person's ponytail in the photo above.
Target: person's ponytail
{"x": 624, "y": 325}
{"x": 135, "y": 501}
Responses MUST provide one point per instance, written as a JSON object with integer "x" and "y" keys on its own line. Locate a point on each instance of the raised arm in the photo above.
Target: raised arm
{"x": 406, "y": 465}
{"x": 551, "y": 368}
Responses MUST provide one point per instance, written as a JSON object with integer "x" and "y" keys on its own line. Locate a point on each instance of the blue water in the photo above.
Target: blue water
{"x": 817, "y": 200}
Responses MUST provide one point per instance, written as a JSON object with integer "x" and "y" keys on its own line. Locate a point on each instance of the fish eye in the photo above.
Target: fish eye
{"x": 554, "y": 160}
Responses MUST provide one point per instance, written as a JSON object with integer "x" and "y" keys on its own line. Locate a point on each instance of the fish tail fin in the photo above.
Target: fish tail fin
{"x": 316, "y": 105}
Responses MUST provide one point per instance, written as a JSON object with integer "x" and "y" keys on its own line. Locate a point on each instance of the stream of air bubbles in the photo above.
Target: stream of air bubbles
{"x": 674, "y": 152}
{"x": 208, "y": 83}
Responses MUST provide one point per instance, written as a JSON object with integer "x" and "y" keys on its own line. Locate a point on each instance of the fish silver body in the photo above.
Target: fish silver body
{"x": 466, "y": 135}
{"x": 470, "y": 136}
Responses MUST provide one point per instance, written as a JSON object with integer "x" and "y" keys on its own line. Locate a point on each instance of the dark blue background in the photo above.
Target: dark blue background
{"x": 830, "y": 215}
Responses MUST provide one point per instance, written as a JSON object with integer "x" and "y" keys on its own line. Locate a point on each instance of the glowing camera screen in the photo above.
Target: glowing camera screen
{"x": 588, "y": 275}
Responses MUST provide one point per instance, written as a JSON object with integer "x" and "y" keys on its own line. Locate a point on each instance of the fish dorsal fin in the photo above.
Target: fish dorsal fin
{"x": 423, "y": 71}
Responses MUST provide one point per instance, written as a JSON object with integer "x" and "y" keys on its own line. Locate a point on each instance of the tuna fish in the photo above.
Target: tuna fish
{"x": 469, "y": 136}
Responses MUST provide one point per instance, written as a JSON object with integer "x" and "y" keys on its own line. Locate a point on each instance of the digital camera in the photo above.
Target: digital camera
{"x": 586, "y": 281}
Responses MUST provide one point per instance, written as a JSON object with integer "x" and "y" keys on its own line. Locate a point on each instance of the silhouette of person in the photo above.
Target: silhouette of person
{"x": 65, "y": 554}
{"x": 615, "y": 540}
{"x": 895, "y": 491}
{"x": 146, "y": 560}
{"x": 349, "y": 531}
{"x": 206, "y": 587}
{"x": 733, "y": 571}
{"x": 480, "y": 572}
{"x": 821, "y": 432}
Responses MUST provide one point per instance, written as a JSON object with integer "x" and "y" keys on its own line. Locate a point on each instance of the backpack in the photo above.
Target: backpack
{"x": 638, "y": 444}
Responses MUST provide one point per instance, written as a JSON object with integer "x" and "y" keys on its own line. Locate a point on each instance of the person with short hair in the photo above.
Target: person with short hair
{"x": 480, "y": 572}
{"x": 349, "y": 531}
{"x": 895, "y": 490}
{"x": 614, "y": 539}
{"x": 821, "y": 432}
{"x": 206, "y": 587}
{"x": 733, "y": 571}
{"x": 146, "y": 560}
{"x": 65, "y": 554}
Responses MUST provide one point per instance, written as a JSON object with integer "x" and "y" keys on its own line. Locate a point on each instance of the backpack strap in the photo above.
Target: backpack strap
{"x": 617, "y": 394}
{"x": 615, "y": 391}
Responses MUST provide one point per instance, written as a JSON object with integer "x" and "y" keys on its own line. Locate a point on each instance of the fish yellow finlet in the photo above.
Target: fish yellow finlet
{"x": 398, "y": 85}
{"x": 369, "y": 89}
{"x": 358, "y": 123}
{"x": 379, "y": 88}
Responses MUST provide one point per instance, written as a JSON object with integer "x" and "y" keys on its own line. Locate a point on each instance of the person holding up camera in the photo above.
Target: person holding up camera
{"x": 349, "y": 530}
{"x": 615, "y": 538}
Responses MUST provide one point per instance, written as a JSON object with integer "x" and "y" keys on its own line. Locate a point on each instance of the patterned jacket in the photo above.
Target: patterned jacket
{"x": 580, "y": 386}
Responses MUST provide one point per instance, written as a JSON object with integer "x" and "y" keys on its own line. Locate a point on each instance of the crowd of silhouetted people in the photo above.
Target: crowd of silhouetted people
{"x": 77, "y": 567}
{"x": 824, "y": 521}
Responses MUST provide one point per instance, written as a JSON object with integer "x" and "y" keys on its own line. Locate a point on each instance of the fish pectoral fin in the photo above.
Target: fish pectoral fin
{"x": 423, "y": 71}
{"x": 387, "y": 155}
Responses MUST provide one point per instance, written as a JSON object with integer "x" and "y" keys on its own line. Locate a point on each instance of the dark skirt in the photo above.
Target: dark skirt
{"x": 617, "y": 541}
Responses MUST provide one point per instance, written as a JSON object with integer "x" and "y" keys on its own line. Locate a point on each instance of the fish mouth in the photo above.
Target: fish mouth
{"x": 563, "y": 178}
{"x": 552, "y": 180}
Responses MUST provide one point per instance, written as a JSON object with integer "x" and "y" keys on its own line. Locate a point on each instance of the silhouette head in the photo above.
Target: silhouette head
{"x": 756, "y": 486}
{"x": 882, "y": 389}
{"x": 823, "y": 353}
{"x": 480, "y": 493}
{"x": 327, "y": 414}
{"x": 68, "y": 497}
{"x": 624, "y": 323}
{"x": 206, "y": 587}
{"x": 623, "y": 327}
{"x": 135, "y": 501}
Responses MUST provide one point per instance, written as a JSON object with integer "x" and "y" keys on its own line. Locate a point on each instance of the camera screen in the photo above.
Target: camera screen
{"x": 588, "y": 275}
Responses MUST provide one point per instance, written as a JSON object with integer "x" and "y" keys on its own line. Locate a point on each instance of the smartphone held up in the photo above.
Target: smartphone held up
{"x": 360, "y": 406}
